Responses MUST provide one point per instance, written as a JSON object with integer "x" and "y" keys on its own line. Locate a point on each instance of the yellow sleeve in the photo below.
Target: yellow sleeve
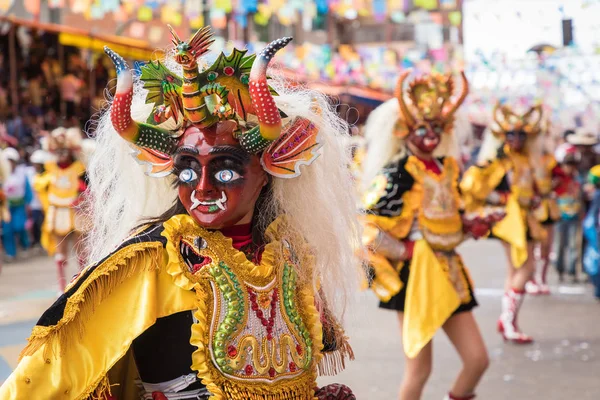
{"x": 478, "y": 182}
{"x": 120, "y": 299}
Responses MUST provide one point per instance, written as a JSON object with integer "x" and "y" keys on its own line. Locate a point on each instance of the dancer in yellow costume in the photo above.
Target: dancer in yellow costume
{"x": 508, "y": 154}
{"x": 62, "y": 184}
{"x": 220, "y": 251}
{"x": 413, "y": 225}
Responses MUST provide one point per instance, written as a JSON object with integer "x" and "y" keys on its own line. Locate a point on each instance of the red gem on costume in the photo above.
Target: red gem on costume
{"x": 292, "y": 367}
{"x": 159, "y": 396}
{"x": 272, "y": 372}
{"x": 269, "y": 336}
{"x": 232, "y": 351}
{"x": 228, "y": 71}
{"x": 170, "y": 78}
{"x": 248, "y": 370}
{"x": 299, "y": 349}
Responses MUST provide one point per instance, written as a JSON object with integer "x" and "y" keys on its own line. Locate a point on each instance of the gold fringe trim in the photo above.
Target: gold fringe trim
{"x": 81, "y": 305}
{"x": 334, "y": 362}
{"x": 297, "y": 392}
{"x": 102, "y": 390}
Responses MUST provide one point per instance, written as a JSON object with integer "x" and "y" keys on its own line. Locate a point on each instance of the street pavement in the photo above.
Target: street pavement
{"x": 563, "y": 363}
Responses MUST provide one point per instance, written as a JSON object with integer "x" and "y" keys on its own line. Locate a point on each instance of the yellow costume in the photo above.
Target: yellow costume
{"x": 237, "y": 356}
{"x": 548, "y": 211}
{"x": 62, "y": 191}
{"x": 411, "y": 203}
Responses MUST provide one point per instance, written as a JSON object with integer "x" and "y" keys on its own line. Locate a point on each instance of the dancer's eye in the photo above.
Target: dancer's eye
{"x": 188, "y": 175}
{"x": 227, "y": 175}
{"x": 422, "y": 131}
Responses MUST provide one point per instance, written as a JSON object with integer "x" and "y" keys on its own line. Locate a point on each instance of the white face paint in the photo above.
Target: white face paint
{"x": 219, "y": 203}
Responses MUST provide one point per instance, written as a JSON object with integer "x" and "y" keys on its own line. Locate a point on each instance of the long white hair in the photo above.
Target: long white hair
{"x": 383, "y": 146}
{"x": 319, "y": 204}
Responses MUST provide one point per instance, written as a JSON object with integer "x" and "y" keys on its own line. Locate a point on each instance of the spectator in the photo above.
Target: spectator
{"x": 70, "y": 90}
{"x": 35, "y": 173}
{"x": 591, "y": 225}
{"x": 18, "y": 193}
{"x": 569, "y": 198}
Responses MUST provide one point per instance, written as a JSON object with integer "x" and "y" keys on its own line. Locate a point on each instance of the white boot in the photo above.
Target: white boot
{"x": 507, "y": 324}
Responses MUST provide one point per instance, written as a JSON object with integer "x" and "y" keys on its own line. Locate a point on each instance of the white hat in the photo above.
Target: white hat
{"x": 11, "y": 154}
{"x": 582, "y": 137}
{"x": 38, "y": 157}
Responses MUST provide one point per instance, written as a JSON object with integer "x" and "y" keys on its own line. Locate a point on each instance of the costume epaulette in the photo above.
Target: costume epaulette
{"x": 384, "y": 196}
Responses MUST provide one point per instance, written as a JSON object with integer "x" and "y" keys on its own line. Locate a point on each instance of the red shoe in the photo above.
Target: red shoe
{"x": 514, "y": 336}
{"x": 544, "y": 289}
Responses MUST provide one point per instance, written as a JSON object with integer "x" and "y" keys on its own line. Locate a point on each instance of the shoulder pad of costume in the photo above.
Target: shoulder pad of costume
{"x": 148, "y": 237}
{"x": 388, "y": 188}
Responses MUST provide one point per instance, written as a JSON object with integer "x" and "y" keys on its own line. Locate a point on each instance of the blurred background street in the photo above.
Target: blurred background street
{"x": 562, "y": 364}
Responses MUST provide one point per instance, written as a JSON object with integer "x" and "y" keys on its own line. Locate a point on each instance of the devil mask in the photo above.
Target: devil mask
{"x": 429, "y": 112}
{"x": 516, "y": 129}
{"x": 218, "y": 130}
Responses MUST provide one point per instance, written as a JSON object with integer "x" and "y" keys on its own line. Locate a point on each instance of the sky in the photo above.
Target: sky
{"x": 511, "y": 27}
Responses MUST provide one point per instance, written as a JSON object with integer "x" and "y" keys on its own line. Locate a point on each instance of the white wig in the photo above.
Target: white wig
{"x": 383, "y": 146}
{"x": 491, "y": 144}
{"x": 319, "y": 204}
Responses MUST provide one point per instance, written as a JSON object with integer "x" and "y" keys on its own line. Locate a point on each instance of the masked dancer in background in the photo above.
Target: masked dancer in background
{"x": 414, "y": 223}
{"x": 505, "y": 165}
{"x": 62, "y": 186}
{"x": 220, "y": 273}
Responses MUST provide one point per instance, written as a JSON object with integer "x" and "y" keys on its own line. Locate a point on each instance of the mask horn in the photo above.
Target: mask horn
{"x": 461, "y": 98}
{"x": 408, "y": 117}
{"x": 142, "y": 135}
{"x": 269, "y": 120}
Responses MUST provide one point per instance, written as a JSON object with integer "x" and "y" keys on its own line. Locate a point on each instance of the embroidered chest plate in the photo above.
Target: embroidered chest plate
{"x": 439, "y": 218}
{"x": 255, "y": 326}
{"x": 522, "y": 180}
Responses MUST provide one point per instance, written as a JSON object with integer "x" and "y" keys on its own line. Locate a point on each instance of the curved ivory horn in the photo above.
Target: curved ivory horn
{"x": 530, "y": 112}
{"x": 142, "y": 135}
{"x": 267, "y": 112}
{"x": 462, "y": 97}
{"x": 408, "y": 117}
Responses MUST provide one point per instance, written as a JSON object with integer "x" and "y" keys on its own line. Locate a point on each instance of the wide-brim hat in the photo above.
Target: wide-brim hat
{"x": 583, "y": 138}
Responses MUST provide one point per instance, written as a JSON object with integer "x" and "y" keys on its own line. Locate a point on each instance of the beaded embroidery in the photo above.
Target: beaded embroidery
{"x": 256, "y": 323}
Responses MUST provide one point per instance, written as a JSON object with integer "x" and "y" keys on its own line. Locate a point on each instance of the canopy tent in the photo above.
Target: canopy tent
{"x": 127, "y": 47}
{"x": 68, "y": 36}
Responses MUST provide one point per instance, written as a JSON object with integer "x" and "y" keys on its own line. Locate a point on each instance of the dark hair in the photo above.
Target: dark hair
{"x": 568, "y": 132}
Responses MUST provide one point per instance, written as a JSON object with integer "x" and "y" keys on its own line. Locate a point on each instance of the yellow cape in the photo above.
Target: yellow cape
{"x": 61, "y": 362}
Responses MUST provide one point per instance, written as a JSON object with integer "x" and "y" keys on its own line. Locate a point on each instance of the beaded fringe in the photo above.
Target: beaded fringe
{"x": 334, "y": 362}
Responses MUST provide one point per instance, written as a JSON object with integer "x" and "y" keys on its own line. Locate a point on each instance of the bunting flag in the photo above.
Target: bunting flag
{"x": 5, "y": 5}
{"x": 145, "y": 14}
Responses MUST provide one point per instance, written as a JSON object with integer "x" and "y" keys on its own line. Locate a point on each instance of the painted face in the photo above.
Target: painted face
{"x": 516, "y": 140}
{"x": 426, "y": 137}
{"x": 219, "y": 182}
{"x": 63, "y": 156}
